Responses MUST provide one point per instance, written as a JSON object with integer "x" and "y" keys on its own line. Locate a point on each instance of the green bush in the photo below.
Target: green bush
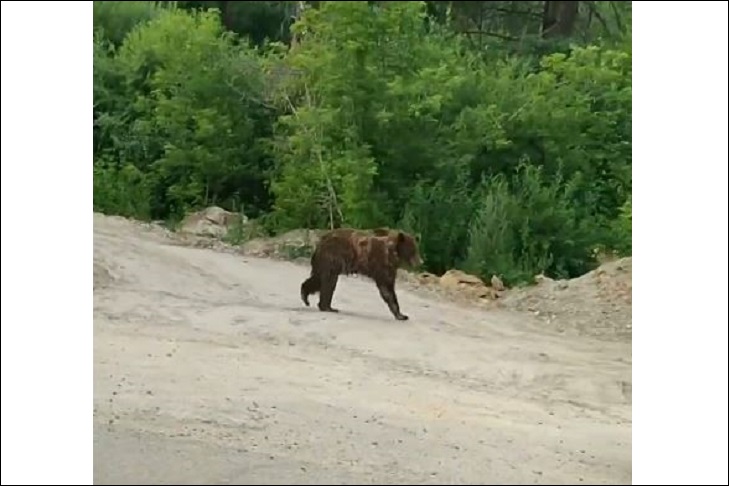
{"x": 528, "y": 225}
{"x": 183, "y": 105}
{"x": 439, "y": 215}
{"x": 508, "y": 160}
{"x": 120, "y": 190}
{"x": 115, "y": 19}
{"x": 623, "y": 228}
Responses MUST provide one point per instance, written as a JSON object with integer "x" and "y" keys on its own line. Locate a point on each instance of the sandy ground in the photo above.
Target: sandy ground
{"x": 209, "y": 370}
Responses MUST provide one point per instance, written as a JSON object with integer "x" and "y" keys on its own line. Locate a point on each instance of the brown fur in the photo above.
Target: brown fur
{"x": 376, "y": 255}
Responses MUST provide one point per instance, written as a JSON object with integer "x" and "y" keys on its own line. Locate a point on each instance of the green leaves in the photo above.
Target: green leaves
{"x": 114, "y": 20}
{"x": 526, "y": 225}
{"x": 511, "y": 164}
{"x": 193, "y": 112}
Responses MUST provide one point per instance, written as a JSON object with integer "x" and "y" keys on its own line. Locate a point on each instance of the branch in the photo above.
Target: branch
{"x": 490, "y": 34}
{"x": 594, "y": 11}
{"x": 617, "y": 16}
{"x": 322, "y": 165}
{"x": 587, "y": 29}
{"x": 508, "y": 11}
{"x": 246, "y": 97}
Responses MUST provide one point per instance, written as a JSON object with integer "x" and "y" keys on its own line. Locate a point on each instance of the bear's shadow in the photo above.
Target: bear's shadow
{"x": 342, "y": 312}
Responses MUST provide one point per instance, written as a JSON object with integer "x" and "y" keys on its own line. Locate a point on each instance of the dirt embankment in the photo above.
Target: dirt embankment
{"x": 597, "y": 304}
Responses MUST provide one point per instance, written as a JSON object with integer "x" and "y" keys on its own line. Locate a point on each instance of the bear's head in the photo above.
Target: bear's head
{"x": 406, "y": 247}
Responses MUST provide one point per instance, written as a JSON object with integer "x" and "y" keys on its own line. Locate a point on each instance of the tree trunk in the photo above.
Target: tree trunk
{"x": 227, "y": 15}
{"x": 558, "y": 19}
{"x": 298, "y": 10}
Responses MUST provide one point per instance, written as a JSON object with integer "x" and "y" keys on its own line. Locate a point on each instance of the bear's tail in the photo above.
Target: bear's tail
{"x": 309, "y": 287}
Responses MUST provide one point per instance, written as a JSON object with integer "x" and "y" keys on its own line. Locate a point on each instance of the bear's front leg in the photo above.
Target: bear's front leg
{"x": 326, "y": 292}
{"x": 387, "y": 292}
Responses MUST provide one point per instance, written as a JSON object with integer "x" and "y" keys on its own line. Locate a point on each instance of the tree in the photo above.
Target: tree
{"x": 559, "y": 18}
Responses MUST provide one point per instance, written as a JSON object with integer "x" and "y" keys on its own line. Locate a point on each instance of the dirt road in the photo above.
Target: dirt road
{"x": 208, "y": 369}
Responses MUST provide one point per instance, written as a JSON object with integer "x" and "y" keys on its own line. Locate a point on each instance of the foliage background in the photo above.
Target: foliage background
{"x": 500, "y": 132}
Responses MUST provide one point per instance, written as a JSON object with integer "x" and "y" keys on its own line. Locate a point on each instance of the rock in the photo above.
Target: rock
{"x": 426, "y": 278}
{"x": 291, "y": 244}
{"x": 469, "y": 285}
{"x": 456, "y": 278}
{"x": 487, "y": 293}
{"x": 212, "y": 221}
{"x": 497, "y": 283}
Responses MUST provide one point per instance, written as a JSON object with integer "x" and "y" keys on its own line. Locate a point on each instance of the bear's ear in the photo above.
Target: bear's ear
{"x": 401, "y": 237}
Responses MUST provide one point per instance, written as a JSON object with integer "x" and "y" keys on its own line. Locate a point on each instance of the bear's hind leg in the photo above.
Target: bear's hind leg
{"x": 309, "y": 287}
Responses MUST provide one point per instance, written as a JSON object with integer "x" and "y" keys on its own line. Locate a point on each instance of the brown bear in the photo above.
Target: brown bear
{"x": 377, "y": 255}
